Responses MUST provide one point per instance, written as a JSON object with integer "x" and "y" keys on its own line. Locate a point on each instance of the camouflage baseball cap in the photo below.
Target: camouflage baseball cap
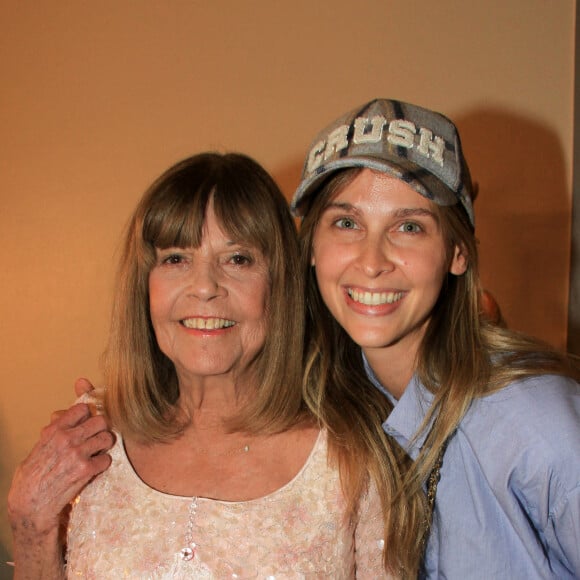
{"x": 413, "y": 144}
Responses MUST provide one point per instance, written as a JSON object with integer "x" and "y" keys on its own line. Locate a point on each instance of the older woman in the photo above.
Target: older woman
{"x": 218, "y": 469}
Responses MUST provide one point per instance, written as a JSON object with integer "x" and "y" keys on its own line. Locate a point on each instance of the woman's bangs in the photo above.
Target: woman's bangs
{"x": 238, "y": 218}
{"x": 177, "y": 220}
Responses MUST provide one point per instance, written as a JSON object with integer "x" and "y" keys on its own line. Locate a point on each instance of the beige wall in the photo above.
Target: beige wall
{"x": 97, "y": 98}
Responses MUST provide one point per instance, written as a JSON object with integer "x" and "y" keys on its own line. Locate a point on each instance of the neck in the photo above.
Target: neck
{"x": 208, "y": 401}
{"x": 393, "y": 366}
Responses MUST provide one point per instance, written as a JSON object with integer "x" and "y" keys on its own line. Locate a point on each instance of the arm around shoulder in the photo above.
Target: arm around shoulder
{"x": 38, "y": 558}
{"x": 71, "y": 451}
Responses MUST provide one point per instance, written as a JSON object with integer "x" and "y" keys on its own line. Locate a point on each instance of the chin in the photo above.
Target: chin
{"x": 366, "y": 340}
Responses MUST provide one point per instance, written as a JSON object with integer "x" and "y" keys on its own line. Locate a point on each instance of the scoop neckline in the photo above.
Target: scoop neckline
{"x": 134, "y": 475}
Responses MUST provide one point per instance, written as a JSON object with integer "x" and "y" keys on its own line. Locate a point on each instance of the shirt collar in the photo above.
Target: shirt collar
{"x": 408, "y": 412}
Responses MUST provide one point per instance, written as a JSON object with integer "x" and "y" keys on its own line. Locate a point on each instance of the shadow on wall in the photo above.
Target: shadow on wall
{"x": 522, "y": 218}
{"x": 522, "y": 214}
{"x": 574, "y": 298}
{"x": 574, "y": 306}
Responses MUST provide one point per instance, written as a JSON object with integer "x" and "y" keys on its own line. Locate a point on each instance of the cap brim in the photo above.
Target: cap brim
{"x": 422, "y": 181}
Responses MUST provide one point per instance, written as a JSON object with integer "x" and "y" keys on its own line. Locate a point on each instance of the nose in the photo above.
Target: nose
{"x": 205, "y": 280}
{"x": 375, "y": 256}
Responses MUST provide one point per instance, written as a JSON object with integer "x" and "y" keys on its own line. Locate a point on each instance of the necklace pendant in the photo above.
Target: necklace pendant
{"x": 187, "y": 553}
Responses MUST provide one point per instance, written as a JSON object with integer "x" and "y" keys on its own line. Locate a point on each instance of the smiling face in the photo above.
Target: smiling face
{"x": 381, "y": 260}
{"x": 209, "y": 304}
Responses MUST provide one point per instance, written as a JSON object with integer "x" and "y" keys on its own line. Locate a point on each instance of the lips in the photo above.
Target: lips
{"x": 207, "y": 323}
{"x": 368, "y": 298}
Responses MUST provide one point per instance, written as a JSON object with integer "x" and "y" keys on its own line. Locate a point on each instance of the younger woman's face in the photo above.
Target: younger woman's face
{"x": 381, "y": 259}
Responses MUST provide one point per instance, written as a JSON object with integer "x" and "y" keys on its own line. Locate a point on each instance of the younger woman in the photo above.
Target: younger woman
{"x": 490, "y": 418}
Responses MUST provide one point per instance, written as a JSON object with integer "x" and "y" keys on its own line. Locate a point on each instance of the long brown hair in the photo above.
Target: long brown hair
{"x": 461, "y": 357}
{"x": 142, "y": 387}
{"x": 338, "y": 391}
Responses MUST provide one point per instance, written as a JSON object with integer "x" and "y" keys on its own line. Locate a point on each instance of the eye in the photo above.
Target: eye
{"x": 410, "y": 228}
{"x": 345, "y": 223}
{"x": 172, "y": 259}
{"x": 241, "y": 259}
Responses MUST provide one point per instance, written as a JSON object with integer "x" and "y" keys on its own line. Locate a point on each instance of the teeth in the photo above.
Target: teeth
{"x": 375, "y": 298}
{"x": 207, "y": 323}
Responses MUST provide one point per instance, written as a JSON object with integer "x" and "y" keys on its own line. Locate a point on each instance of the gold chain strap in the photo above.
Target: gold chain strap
{"x": 432, "y": 482}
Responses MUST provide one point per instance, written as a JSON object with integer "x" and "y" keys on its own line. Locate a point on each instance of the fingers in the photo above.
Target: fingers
{"x": 71, "y": 451}
{"x": 73, "y": 415}
{"x": 75, "y": 460}
{"x": 83, "y": 386}
{"x": 55, "y": 415}
{"x": 70, "y": 417}
{"x": 74, "y": 432}
{"x": 99, "y": 444}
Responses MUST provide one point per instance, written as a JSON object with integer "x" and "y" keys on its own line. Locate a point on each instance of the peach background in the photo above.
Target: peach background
{"x": 98, "y": 98}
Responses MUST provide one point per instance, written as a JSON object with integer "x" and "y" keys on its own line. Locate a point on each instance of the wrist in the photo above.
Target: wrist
{"x": 38, "y": 555}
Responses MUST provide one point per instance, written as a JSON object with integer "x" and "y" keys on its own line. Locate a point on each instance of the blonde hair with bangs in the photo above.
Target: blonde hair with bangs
{"x": 142, "y": 386}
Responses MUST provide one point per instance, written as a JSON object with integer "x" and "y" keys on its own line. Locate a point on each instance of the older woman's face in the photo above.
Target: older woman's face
{"x": 209, "y": 304}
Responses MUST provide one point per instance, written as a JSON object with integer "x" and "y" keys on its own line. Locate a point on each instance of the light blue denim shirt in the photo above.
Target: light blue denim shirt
{"x": 508, "y": 501}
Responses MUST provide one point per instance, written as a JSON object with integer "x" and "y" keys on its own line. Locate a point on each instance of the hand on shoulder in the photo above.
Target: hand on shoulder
{"x": 70, "y": 452}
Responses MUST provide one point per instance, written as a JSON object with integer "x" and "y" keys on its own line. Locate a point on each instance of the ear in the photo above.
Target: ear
{"x": 312, "y": 260}
{"x": 459, "y": 262}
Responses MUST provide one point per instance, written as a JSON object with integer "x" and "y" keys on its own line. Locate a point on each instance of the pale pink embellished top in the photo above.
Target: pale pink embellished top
{"x": 122, "y": 528}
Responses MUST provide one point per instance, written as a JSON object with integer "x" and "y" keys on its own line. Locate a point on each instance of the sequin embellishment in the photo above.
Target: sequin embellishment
{"x": 188, "y": 552}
